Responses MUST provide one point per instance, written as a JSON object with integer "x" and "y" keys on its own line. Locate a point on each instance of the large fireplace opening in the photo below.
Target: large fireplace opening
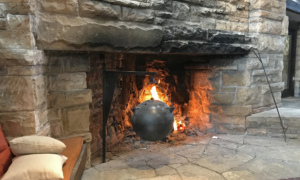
{"x": 193, "y": 83}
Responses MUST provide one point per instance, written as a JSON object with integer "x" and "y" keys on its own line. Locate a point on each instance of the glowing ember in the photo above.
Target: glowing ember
{"x": 178, "y": 125}
{"x": 154, "y": 93}
{"x": 175, "y": 125}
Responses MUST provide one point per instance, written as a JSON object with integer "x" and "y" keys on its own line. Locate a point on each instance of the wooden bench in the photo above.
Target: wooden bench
{"x": 76, "y": 152}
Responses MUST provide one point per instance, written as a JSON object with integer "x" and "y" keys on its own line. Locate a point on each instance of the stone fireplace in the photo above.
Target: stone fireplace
{"x": 52, "y": 52}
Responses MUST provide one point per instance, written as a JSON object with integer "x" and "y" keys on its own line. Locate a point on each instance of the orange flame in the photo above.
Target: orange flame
{"x": 154, "y": 93}
{"x": 176, "y": 125}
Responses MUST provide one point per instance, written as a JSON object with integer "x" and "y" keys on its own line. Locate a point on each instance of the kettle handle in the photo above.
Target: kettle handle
{"x": 134, "y": 105}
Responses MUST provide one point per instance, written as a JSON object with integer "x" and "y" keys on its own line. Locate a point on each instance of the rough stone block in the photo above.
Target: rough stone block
{"x": 70, "y": 33}
{"x": 45, "y": 130}
{"x": 228, "y": 89}
{"x": 18, "y": 22}
{"x": 262, "y": 80}
{"x": 229, "y": 120}
{"x": 204, "y": 22}
{"x": 59, "y": 6}
{"x": 16, "y": 124}
{"x": 240, "y": 27}
{"x": 56, "y": 129}
{"x": 261, "y": 4}
{"x": 16, "y": 40}
{"x": 17, "y": 57}
{"x": 248, "y": 64}
{"x": 223, "y": 64}
{"x": 15, "y": 7}
{"x": 138, "y": 15}
{"x": 223, "y": 25}
{"x": 236, "y": 78}
{"x": 262, "y": 72}
{"x": 68, "y": 64}
{"x": 21, "y": 92}
{"x": 70, "y": 98}
{"x": 98, "y": 9}
{"x": 68, "y": 81}
{"x": 271, "y": 43}
{"x": 181, "y": 10}
{"x": 25, "y": 70}
{"x": 276, "y": 87}
{"x": 221, "y": 98}
{"x": 267, "y": 14}
{"x": 248, "y": 96}
{"x": 76, "y": 119}
{"x": 268, "y": 100}
{"x": 130, "y": 3}
{"x": 262, "y": 25}
{"x": 237, "y": 110}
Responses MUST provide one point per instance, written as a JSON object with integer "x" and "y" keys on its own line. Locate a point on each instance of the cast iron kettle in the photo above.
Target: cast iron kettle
{"x": 153, "y": 120}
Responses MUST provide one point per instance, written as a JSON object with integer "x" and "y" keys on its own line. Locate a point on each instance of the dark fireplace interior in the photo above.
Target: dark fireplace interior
{"x": 188, "y": 81}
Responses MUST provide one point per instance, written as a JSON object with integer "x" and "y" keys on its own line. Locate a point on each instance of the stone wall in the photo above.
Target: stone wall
{"x": 23, "y": 85}
{"x": 48, "y": 95}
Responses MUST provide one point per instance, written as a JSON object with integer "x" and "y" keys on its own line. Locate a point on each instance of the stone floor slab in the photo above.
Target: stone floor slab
{"x": 242, "y": 157}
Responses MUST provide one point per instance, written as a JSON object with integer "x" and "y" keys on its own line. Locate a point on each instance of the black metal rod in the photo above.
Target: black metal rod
{"x": 281, "y": 121}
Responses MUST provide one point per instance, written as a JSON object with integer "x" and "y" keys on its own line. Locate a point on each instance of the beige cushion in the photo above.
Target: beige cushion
{"x": 36, "y": 145}
{"x": 36, "y": 167}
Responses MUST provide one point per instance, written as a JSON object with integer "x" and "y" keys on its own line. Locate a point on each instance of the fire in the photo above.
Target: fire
{"x": 178, "y": 125}
{"x": 154, "y": 93}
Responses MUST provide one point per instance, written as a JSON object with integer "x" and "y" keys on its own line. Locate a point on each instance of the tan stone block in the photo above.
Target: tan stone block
{"x": 236, "y": 78}
{"x": 261, "y": 4}
{"x": 267, "y": 14}
{"x": 18, "y": 22}
{"x": 16, "y": 124}
{"x": 56, "y": 129}
{"x": 262, "y": 25}
{"x": 15, "y": 7}
{"x": 237, "y": 110}
{"x": 276, "y": 87}
{"x": 271, "y": 43}
{"x": 70, "y": 33}
{"x": 248, "y": 96}
{"x": 70, "y": 98}
{"x": 99, "y": 9}
{"x": 76, "y": 119}
{"x": 21, "y": 92}
{"x": 68, "y": 63}
{"x": 240, "y": 27}
{"x": 13, "y": 57}
{"x": 68, "y": 81}
{"x": 227, "y": 119}
{"x": 16, "y": 40}
{"x": 45, "y": 130}
{"x": 25, "y": 70}
{"x": 223, "y": 25}
{"x": 59, "y": 6}
{"x": 268, "y": 100}
{"x": 221, "y": 98}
